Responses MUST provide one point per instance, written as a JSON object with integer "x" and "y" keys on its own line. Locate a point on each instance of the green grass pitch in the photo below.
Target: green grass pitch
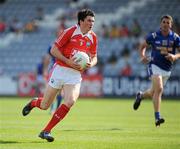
{"x": 92, "y": 124}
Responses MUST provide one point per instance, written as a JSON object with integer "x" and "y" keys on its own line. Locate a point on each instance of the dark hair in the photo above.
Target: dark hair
{"x": 167, "y": 17}
{"x": 82, "y": 14}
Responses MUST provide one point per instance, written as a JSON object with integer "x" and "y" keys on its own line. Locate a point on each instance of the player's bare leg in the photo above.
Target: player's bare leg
{"x": 158, "y": 90}
{"x": 42, "y": 103}
{"x": 48, "y": 97}
{"x": 71, "y": 94}
{"x": 142, "y": 95}
{"x": 148, "y": 94}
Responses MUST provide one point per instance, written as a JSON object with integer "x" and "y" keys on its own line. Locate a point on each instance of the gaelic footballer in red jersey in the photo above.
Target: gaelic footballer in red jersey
{"x": 66, "y": 72}
{"x": 77, "y": 41}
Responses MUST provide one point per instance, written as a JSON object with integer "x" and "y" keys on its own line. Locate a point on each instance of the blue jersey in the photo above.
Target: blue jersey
{"x": 40, "y": 69}
{"x": 161, "y": 46}
{"x": 52, "y": 58}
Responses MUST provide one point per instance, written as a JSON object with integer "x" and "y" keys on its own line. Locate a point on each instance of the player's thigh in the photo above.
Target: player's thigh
{"x": 49, "y": 96}
{"x": 71, "y": 92}
{"x": 157, "y": 83}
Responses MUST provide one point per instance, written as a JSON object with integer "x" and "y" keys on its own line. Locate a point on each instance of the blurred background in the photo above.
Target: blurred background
{"x": 29, "y": 27}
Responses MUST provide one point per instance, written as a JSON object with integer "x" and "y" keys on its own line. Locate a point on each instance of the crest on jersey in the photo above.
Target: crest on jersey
{"x": 52, "y": 80}
{"x": 88, "y": 44}
{"x": 171, "y": 43}
{"x": 164, "y": 42}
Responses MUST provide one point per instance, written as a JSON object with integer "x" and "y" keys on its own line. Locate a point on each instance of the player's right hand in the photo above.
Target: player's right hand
{"x": 170, "y": 57}
{"x": 72, "y": 63}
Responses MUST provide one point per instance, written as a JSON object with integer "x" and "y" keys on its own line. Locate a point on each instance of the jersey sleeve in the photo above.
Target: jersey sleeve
{"x": 49, "y": 50}
{"x": 94, "y": 46}
{"x": 150, "y": 37}
{"x": 64, "y": 37}
{"x": 177, "y": 41}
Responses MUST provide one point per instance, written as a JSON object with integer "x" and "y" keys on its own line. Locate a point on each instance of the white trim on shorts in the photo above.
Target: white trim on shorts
{"x": 155, "y": 70}
{"x": 64, "y": 75}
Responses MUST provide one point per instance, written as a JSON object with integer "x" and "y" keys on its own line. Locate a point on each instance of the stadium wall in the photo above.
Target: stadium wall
{"x": 92, "y": 86}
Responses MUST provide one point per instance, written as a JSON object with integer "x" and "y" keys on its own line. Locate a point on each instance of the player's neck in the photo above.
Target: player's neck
{"x": 83, "y": 30}
{"x": 165, "y": 33}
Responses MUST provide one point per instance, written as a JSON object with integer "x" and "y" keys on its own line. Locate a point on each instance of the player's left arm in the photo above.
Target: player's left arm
{"x": 174, "y": 57}
{"x": 93, "y": 61}
{"x": 93, "y": 53}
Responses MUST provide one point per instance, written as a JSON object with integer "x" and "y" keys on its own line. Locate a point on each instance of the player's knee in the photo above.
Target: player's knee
{"x": 70, "y": 102}
{"x": 159, "y": 89}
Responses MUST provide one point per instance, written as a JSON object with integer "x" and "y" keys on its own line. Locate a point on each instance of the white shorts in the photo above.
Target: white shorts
{"x": 64, "y": 75}
{"x": 155, "y": 70}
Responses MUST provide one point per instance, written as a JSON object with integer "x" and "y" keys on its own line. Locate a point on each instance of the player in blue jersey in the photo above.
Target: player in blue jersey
{"x": 164, "y": 44}
{"x": 42, "y": 75}
{"x": 58, "y": 100}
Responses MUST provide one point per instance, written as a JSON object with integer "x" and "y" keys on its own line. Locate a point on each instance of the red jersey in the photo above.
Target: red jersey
{"x": 72, "y": 40}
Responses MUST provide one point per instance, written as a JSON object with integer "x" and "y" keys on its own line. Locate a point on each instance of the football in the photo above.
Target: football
{"x": 81, "y": 58}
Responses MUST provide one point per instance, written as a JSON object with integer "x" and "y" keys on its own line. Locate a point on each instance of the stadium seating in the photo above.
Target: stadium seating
{"x": 23, "y": 54}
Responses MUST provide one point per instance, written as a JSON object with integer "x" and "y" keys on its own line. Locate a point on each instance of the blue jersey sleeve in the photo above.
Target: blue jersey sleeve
{"x": 40, "y": 69}
{"x": 177, "y": 41}
{"x": 49, "y": 50}
{"x": 149, "y": 38}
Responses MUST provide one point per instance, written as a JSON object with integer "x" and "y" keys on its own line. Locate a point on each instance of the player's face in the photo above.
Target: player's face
{"x": 166, "y": 25}
{"x": 87, "y": 24}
